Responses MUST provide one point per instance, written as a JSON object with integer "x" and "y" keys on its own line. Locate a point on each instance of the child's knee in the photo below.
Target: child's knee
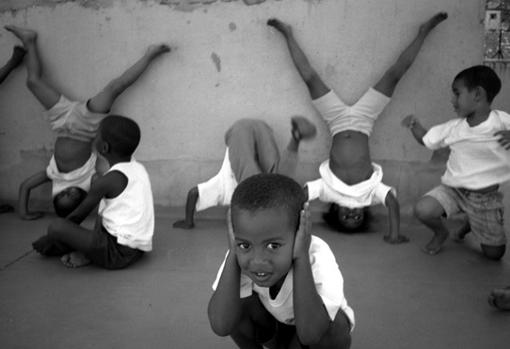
{"x": 425, "y": 210}
{"x": 56, "y": 227}
{"x": 339, "y": 333}
{"x": 493, "y": 252}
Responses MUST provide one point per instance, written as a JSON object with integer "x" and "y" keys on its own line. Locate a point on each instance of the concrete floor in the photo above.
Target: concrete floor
{"x": 401, "y": 297}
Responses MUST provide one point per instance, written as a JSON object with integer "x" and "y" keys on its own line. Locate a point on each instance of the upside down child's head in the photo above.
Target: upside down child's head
{"x": 68, "y": 200}
{"x": 117, "y": 135}
{"x": 473, "y": 87}
{"x": 265, "y": 212}
{"x": 346, "y": 219}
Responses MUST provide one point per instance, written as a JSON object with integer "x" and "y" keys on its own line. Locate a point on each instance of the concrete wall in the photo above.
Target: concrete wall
{"x": 227, "y": 64}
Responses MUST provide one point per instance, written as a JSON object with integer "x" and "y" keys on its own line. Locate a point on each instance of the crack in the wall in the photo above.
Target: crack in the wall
{"x": 217, "y": 61}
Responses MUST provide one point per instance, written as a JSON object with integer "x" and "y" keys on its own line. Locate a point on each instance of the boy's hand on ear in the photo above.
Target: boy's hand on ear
{"x": 303, "y": 234}
{"x": 231, "y": 238}
{"x": 504, "y": 138}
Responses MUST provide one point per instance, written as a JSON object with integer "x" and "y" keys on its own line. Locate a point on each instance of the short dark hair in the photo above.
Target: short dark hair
{"x": 121, "y": 133}
{"x": 63, "y": 207}
{"x": 483, "y": 76}
{"x": 269, "y": 190}
{"x": 331, "y": 217}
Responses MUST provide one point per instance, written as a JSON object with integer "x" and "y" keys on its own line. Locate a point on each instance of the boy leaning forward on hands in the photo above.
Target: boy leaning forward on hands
{"x": 279, "y": 286}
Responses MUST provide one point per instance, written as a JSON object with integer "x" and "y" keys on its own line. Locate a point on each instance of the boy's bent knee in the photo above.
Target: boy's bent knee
{"x": 426, "y": 209}
{"x": 338, "y": 334}
{"x": 493, "y": 252}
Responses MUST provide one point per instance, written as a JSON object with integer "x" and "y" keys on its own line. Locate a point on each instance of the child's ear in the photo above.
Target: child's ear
{"x": 480, "y": 94}
{"x": 104, "y": 147}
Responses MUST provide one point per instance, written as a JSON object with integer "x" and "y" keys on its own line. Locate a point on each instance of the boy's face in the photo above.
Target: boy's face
{"x": 463, "y": 99}
{"x": 351, "y": 218}
{"x": 264, "y": 242}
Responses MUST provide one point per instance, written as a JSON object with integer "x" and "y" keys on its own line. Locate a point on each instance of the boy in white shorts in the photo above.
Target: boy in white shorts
{"x": 349, "y": 179}
{"x": 73, "y": 163}
{"x": 251, "y": 149}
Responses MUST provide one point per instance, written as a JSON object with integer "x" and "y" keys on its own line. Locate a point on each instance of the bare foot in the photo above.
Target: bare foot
{"x": 75, "y": 260}
{"x": 434, "y": 245}
{"x": 500, "y": 298}
{"x": 25, "y": 35}
{"x": 156, "y": 50}
{"x": 302, "y": 128}
{"x": 426, "y": 27}
{"x": 183, "y": 224}
{"x": 283, "y": 28}
{"x": 460, "y": 234}
{"x": 400, "y": 239}
{"x": 18, "y": 53}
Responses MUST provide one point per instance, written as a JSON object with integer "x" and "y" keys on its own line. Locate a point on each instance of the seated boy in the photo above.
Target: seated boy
{"x": 279, "y": 286}
{"x": 477, "y": 164}
{"x": 500, "y": 298}
{"x": 349, "y": 178}
{"x": 74, "y": 162}
{"x": 125, "y": 222}
{"x": 251, "y": 149}
{"x": 17, "y": 55}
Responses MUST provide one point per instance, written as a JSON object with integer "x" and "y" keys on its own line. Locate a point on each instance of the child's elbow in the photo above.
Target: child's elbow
{"x": 220, "y": 329}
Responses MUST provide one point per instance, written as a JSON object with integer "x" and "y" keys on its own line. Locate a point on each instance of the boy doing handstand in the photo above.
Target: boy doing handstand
{"x": 477, "y": 164}
{"x": 251, "y": 149}
{"x": 279, "y": 286}
{"x": 74, "y": 162}
{"x": 125, "y": 223}
{"x": 349, "y": 178}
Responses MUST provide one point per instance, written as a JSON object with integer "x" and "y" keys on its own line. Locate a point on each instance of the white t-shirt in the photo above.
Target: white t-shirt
{"x": 130, "y": 215}
{"x": 476, "y": 160}
{"x": 328, "y": 282}
{"x": 329, "y": 188}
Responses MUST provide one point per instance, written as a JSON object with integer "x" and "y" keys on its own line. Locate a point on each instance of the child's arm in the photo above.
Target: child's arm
{"x": 418, "y": 131}
{"x": 224, "y": 310}
{"x": 191, "y": 202}
{"x": 394, "y": 237}
{"x": 504, "y": 138}
{"x": 311, "y": 317}
{"x": 110, "y": 185}
{"x": 24, "y": 195}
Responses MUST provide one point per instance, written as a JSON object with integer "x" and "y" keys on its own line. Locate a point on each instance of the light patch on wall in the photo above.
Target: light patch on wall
{"x": 217, "y": 61}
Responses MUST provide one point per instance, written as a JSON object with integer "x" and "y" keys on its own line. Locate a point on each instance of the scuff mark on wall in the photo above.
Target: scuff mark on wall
{"x": 232, "y": 26}
{"x": 217, "y": 61}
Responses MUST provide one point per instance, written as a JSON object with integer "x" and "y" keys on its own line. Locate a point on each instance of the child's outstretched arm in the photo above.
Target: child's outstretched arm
{"x": 109, "y": 186}
{"x": 394, "y": 237}
{"x": 191, "y": 202}
{"x": 224, "y": 310}
{"x": 311, "y": 317}
{"x": 412, "y": 123}
{"x": 24, "y": 195}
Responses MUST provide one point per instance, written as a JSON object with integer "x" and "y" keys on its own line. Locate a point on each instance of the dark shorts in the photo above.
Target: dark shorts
{"x": 107, "y": 253}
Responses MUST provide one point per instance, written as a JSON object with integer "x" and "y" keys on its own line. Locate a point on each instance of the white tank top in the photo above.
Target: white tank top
{"x": 130, "y": 215}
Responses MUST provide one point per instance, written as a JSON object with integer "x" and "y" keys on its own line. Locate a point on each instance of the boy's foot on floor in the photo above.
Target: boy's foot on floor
{"x": 283, "y": 28}
{"x": 435, "y": 245}
{"x": 460, "y": 234}
{"x": 500, "y": 298}
{"x": 302, "y": 128}
{"x": 75, "y": 260}
{"x": 182, "y": 224}
{"x": 25, "y": 35}
{"x": 433, "y": 21}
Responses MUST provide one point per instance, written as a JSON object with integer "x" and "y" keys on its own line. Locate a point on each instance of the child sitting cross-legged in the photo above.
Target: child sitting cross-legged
{"x": 279, "y": 286}
{"x": 125, "y": 223}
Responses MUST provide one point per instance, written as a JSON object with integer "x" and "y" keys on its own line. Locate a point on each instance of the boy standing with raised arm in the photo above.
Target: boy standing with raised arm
{"x": 279, "y": 286}
{"x": 349, "y": 178}
{"x": 477, "y": 164}
{"x": 74, "y": 162}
